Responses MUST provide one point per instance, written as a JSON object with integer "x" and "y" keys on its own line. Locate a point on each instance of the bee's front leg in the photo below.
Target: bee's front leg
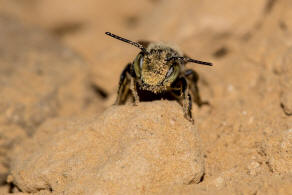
{"x": 185, "y": 98}
{"x": 187, "y": 101}
{"x": 193, "y": 78}
{"x": 187, "y": 107}
{"x": 124, "y": 86}
{"x": 134, "y": 91}
{"x": 127, "y": 84}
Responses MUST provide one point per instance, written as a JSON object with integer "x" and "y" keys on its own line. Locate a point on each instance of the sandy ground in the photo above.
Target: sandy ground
{"x": 59, "y": 132}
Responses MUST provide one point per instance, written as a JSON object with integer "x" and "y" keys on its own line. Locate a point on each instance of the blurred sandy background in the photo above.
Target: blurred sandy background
{"x": 57, "y": 66}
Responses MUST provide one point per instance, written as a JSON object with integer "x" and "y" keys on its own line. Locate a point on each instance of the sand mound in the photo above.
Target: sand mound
{"x": 128, "y": 149}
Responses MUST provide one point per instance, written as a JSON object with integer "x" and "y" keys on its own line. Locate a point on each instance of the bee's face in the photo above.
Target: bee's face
{"x": 154, "y": 69}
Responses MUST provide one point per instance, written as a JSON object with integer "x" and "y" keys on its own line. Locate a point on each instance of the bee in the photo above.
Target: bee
{"x": 158, "y": 72}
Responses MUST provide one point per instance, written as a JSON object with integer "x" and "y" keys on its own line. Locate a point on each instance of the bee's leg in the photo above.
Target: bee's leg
{"x": 193, "y": 78}
{"x": 187, "y": 100}
{"x": 187, "y": 107}
{"x": 134, "y": 91}
{"x": 124, "y": 86}
{"x": 184, "y": 98}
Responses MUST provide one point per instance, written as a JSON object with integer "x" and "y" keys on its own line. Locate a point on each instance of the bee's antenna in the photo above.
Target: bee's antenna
{"x": 199, "y": 62}
{"x": 127, "y": 41}
{"x": 186, "y": 59}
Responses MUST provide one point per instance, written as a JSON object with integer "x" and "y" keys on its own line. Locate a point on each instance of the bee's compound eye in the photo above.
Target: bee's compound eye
{"x": 171, "y": 75}
{"x": 170, "y": 71}
{"x": 141, "y": 62}
{"x": 138, "y": 63}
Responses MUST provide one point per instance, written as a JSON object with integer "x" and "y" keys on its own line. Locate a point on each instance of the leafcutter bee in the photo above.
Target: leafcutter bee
{"x": 157, "y": 72}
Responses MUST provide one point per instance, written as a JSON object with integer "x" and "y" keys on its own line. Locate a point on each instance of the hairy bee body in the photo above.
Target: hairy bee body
{"x": 158, "y": 71}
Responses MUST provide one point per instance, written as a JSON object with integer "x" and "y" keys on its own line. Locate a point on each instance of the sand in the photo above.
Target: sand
{"x": 60, "y": 133}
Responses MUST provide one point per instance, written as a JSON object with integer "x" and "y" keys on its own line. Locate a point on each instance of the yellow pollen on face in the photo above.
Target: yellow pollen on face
{"x": 154, "y": 70}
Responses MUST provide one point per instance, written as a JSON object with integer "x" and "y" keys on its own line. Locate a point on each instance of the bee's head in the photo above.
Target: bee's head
{"x": 158, "y": 65}
{"x": 155, "y": 67}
